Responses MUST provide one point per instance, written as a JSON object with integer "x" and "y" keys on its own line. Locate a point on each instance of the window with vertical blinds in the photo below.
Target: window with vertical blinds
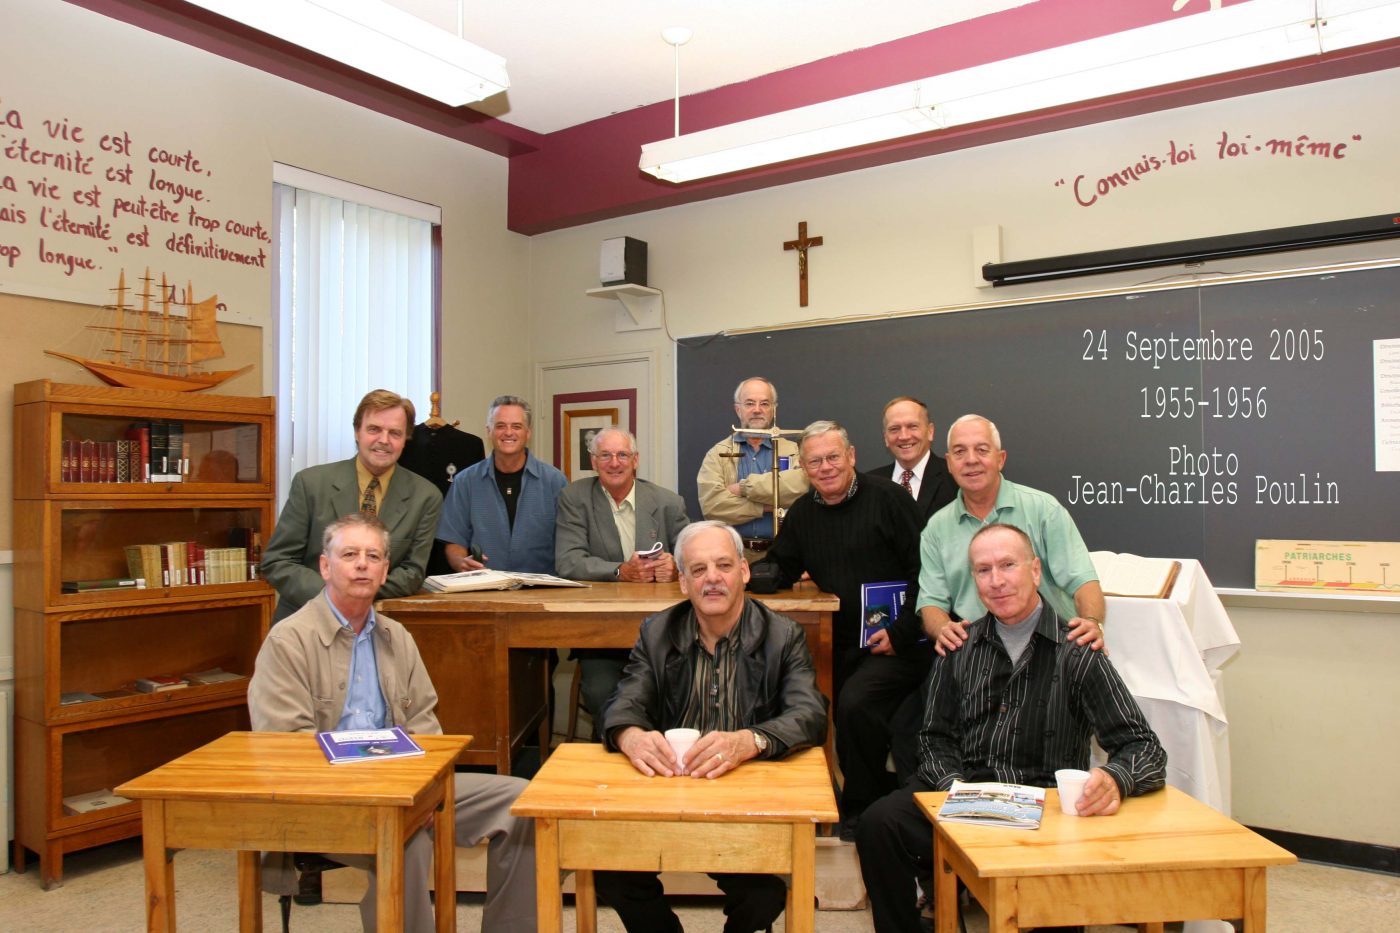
{"x": 355, "y": 310}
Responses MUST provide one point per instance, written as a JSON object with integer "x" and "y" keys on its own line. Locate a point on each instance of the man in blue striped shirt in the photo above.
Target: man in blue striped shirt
{"x": 1015, "y": 703}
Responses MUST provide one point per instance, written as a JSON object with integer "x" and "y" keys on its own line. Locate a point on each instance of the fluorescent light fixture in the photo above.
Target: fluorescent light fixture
{"x": 1246, "y": 35}
{"x": 379, "y": 39}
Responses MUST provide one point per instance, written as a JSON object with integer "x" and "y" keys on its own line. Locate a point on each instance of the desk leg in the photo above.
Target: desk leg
{"x": 802, "y": 894}
{"x": 445, "y": 856}
{"x": 585, "y": 902}
{"x": 249, "y": 892}
{"x": 945, "y": 889}
{"x": 1256, "y": 899}
{"x": 549, "y": 900}
{"x": 388, "y": 856}
{"x": 160, "y": 869}
{"x": 503, "y": 703}
{"x": 1003, "y": 907}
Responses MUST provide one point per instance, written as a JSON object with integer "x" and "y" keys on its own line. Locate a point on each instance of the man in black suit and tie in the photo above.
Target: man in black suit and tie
{"x": 908, "y": 434}
{"x": 604, "y": 529}
{"x": 406, "y": 503}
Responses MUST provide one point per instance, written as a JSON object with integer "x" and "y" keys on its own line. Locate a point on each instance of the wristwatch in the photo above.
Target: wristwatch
{"x": 760, "y": 741}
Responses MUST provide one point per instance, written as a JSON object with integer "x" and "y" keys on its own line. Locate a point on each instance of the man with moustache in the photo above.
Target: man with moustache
{"x": 735, "y": 481}
{"x": 908, "y": 434}
{"x": 848, "y": 531}
{"x": 407, "y": 504}
{"x": 947, "y": 592}
{"x": 604, "y": 530}
{"x": 503, "y": 508}
{"x": 336, "y": 664}
{"x": 1017, "y": 701}
{"x": 739, "y": 673}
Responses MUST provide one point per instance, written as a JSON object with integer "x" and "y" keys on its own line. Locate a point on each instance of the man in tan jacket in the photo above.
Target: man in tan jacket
{"x": 735, "y": 482}
{"x": 336, "y": 664}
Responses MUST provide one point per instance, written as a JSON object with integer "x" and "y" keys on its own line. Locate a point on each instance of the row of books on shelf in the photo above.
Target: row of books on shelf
{"x": 181, "y": 563}
{"x": 151, "y": 452}
{"x": 154, "y": 683}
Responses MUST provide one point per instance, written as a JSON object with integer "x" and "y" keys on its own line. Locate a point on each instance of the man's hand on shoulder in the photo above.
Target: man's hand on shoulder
{"x": 1101, "y": 795}
{"x": 1087, "y": 632}
{"x": 649, "y": 752}
{"x": 718, "y": 752}
{"x": 950, "y": 637}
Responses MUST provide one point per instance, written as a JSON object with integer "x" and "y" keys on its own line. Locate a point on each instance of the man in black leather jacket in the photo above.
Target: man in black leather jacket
{"x": 739, "y": 673}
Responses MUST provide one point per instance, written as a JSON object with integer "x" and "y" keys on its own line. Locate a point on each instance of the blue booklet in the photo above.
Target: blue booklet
{"x": 880, "y": 605}
{"x": 367, "y": 745}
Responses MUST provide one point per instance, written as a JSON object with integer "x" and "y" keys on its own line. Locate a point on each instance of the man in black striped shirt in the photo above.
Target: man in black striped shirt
{"x": 1016, "y": 703}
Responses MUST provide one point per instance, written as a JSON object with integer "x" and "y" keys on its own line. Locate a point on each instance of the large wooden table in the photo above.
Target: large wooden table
{"x": 594, "y": 811}
{"x": 275, "y": 792}
{"x": 1163, "y": 856}
{"x": 489, "y": 689}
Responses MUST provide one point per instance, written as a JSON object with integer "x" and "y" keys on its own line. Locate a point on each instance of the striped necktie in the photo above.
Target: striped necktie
{"x": 904, "y": 481}
{"x": 368, "y": 505}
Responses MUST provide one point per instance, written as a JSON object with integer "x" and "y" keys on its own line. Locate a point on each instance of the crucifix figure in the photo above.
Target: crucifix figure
{"x": 802, "y": 244}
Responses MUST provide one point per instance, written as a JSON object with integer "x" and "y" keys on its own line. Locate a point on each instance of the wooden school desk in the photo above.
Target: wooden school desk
{"x": 594, "y": 811}
{"x": 275, "y": 792}
{"x": 1162, "y": 856}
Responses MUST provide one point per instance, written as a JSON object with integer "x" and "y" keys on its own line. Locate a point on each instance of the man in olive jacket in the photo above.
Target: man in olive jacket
{"x": 736, "y": 671}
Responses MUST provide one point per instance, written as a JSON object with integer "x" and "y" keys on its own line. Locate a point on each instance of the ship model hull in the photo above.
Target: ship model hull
{"x": 129, "y": 377}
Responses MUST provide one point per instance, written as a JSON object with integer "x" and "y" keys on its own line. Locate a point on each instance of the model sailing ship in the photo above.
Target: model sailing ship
{"x": 151, "y": 348}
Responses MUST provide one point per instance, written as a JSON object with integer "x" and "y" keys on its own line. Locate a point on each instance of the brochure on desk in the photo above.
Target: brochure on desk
{"x": 1016, "y": 806}
{"x": 354, "y": 745}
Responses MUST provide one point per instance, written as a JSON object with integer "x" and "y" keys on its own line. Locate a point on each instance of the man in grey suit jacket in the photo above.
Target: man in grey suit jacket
{"x": 406, "y": 503}
{"x": 603, "y": 526}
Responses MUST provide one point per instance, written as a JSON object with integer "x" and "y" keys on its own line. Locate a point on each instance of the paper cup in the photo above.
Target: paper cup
{"x": 680, "y": 741}
{"x": 1070, "y": 782}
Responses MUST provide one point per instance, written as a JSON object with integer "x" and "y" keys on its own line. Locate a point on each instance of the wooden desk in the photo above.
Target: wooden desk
{"x": 275, "y": 792}
{"x": 488, "y": 689}
{"x": 594, "y": 811}
{"x": 1163, "y": 856}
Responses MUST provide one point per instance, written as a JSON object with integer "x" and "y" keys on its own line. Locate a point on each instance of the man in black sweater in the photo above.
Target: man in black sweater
{"x": 852, "y": 530}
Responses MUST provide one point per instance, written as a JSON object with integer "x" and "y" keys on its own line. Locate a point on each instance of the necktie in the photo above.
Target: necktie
{"x": 904, "y": 481}
{"x": 368, "y": 504}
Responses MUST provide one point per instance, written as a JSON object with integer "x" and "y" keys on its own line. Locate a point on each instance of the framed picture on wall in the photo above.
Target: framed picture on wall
{"x": 580, "y": 415}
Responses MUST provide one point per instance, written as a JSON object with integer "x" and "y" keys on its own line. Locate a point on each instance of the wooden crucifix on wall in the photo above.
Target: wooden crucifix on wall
{"x": 802, "y": 244}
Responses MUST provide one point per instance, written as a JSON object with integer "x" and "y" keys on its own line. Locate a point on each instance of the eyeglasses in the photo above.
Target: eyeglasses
{"x": 606, "y": 457}
{"x": 814, "y": 463}
{"x": 749, "y": 404}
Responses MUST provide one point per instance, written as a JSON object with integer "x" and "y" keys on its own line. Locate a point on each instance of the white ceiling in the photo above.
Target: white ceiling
{"x": 571, "y": 61}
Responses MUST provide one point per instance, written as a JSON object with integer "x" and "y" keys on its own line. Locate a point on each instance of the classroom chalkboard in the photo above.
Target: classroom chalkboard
{"x": 1185, "y": 422}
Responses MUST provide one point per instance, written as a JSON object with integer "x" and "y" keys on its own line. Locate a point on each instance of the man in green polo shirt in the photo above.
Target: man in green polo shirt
{"x": 947, "y": 593}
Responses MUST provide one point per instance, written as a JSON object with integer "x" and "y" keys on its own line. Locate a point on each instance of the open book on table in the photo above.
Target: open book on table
{"x": 1131, "y": 575}
{"x": 1016, "y": 806}
{"x": 469, "y": 580}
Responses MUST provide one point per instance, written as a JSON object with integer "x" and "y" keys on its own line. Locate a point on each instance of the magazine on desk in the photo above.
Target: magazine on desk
{"x": 1016, "y": 806}
{"x": 367, "y": 745}
{"x": 470, "y": 580}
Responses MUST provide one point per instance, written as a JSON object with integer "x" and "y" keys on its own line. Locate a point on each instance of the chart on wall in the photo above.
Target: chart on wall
{"x": 1178, "y": 423}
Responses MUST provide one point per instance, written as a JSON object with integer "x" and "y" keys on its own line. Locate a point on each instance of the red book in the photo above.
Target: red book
{"x": 87, "y": 456}
{"x": 140, "y": 435}
{"x": 70, "y": 454}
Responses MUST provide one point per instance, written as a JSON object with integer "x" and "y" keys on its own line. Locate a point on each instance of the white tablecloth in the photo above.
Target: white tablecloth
{"x": 1169, "y": 652}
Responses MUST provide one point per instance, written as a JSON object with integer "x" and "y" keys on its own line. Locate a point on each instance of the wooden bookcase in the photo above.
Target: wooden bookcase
{"x": 100, "y": 641}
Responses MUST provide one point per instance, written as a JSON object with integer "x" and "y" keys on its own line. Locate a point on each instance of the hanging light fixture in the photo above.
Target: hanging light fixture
{"x": 1214, "y": 42}
{"x": 379, "y": 39}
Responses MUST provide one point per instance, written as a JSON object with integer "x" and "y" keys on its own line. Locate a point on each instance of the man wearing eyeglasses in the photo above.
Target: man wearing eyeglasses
{"x": 735, "y": 481}
{"x": 607, "y": 528}
{"x": 948, "y": 598}
{"x": 853, "y": 530}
